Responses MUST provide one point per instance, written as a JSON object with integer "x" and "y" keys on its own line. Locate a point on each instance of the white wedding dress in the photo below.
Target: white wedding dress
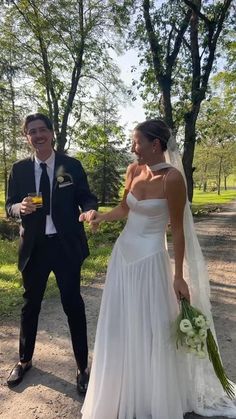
{"x": 137, "y": 373}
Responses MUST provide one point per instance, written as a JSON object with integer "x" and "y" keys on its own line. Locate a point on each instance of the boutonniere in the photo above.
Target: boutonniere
{"x": 60, "y": 179}
{"x": 63, "y": 178}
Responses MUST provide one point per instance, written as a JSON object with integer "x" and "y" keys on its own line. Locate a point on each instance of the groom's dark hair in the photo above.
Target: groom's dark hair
{"x": 34, "y": 117}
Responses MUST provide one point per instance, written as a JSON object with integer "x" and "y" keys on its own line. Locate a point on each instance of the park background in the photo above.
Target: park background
{"x": 98, "y": 67}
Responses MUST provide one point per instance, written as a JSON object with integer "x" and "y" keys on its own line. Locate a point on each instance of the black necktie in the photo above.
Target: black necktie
{"x": 44, "y": 187}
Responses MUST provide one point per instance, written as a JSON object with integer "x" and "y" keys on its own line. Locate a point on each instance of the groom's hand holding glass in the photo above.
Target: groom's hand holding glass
{"x": 27, "y": 206}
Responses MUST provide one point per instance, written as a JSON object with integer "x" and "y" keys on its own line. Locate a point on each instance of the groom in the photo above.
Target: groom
{"x": 51, "y": 239}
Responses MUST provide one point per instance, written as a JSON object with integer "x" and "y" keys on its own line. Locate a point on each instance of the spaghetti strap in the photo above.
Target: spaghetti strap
{"x": 164, "y": 179}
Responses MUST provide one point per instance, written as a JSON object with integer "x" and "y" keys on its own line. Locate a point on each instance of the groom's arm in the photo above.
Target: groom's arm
{"x": 13, "y": 202}
{"x": 86, "y": 199}
{"x": 17, "y": 204}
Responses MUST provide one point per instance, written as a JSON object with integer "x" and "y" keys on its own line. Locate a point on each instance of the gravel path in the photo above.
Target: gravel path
{"x": 48, "y": 390}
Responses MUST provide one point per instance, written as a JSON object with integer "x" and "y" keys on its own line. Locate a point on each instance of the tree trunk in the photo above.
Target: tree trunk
{"x": 225, "y": 183}
{"x": 189, "y": 146}
{"x": 103, "y": 194}
{"x": 219, "y": 175}
{"x": 5, "y": 174}
{"x": 4, "y": 153}
{"x": 165, "y": 84}
{"x": 205, "y": 178}
{"x": 13, "y": 119}
{"x": 200, "y": 78}
{"x": 62, "y": 137}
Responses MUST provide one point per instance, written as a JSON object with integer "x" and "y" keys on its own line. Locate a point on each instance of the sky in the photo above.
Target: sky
{"x": 133, "y": 112}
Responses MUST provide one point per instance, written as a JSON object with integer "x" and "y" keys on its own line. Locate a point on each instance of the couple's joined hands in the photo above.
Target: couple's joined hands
{"x": 92, "y": 217}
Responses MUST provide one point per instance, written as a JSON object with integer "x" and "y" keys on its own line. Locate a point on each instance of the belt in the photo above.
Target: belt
{"x": 51, "y": 236}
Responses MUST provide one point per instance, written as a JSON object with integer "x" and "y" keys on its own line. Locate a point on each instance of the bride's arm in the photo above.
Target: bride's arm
{"x": 118, "y": 212}
{"x": 176, "y": 198}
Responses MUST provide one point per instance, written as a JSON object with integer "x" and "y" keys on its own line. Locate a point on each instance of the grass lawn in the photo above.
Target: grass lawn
{"x": 205, "y": 198}
{"x": 204, "y": 202}
{"x": 100, "y": 245}
{"x": 2, "y": 203}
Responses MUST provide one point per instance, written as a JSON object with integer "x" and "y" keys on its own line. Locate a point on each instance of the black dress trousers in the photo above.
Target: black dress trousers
{"x": 48, "y": 255}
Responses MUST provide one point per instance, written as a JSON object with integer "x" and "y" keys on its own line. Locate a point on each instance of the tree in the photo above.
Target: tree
{"x": 9, "y": 118}
{"x": 177, "y": 45}
{"x": 63, "y": 46}
{"x": 11, "y": 107}
{"x": 215, "y": 152}
{"x": 102, "y": 148}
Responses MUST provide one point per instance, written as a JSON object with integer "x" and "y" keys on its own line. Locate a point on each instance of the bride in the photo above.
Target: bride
{"x": 137, "y": 373}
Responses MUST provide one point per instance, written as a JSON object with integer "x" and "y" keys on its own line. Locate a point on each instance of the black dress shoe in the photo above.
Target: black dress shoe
{"x": 82, "y": 382}
{"x": 17, "y": 374}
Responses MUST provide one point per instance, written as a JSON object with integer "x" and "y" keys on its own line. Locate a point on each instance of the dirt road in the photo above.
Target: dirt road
{"x": 48, "y": 390}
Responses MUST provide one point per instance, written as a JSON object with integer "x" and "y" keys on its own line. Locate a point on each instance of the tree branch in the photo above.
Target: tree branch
{"x": 99, "y": 81}
{"x": 154, "y": 44}
{"x": 185, "y": 42}
{"x": 76, "y": 73}
{"x": 178, "y": 41}
{"x": 35, "y": 7}
{"x": 212, "y": 42}
{"x": 169, "y": 40}
{"x": 198, "y": 12}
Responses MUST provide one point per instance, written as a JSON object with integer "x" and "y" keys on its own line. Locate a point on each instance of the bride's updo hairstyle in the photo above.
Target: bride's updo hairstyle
{"x": 153, "y": 129}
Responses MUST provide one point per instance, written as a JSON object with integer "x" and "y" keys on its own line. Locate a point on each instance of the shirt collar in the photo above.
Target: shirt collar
{"x": 50, "y": 162}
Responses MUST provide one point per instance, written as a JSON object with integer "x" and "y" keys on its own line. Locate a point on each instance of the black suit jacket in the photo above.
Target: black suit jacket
{"x": 65, "y": 208}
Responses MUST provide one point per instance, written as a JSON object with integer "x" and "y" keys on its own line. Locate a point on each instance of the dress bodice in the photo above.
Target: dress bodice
{"x": 144, "y": 232}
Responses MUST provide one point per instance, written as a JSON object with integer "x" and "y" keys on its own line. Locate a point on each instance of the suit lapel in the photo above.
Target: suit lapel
{"x": 58, "y": 163}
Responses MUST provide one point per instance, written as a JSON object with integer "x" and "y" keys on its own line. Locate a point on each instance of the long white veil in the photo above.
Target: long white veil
{"x": 205, "y": 392}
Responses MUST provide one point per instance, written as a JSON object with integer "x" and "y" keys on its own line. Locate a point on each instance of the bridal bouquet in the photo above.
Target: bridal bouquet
{"x": 193, "y": 333}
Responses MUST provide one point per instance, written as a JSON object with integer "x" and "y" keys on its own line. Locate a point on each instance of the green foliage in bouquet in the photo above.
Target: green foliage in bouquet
{"x": 193, "y": 333}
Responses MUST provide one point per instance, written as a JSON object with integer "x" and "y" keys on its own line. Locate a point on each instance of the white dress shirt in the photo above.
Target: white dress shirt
{"x": 50, "y": 162}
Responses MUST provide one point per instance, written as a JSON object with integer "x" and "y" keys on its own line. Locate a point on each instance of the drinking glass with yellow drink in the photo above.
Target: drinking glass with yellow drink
{"x": 36, "y": 198}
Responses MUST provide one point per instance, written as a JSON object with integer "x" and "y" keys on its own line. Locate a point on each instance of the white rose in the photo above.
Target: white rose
{"x": 185, "y": 326}
{"x": 199, "y": 321}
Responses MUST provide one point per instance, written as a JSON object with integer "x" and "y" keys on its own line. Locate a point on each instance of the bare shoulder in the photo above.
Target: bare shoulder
{"x": 174, "y": 177}
{"x": 131, "y": 172}
{"x": 131, "y": 169}
{"x": 175, "y": 185}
